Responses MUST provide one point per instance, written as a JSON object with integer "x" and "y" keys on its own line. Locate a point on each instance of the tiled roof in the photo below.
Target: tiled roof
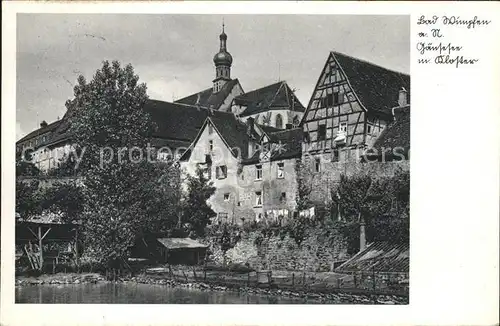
{"x": 268, "y": 129}
{"x": 290, "y": 145}
{"x": 51, "y": 127}
{"x": 376, "y": 87}
{"x": 177, "y": 123}
{"x": 208, "y": 98}
{"x": 232, "y": 130}
{"x": 180, "y": 243}
{"x": 379, "y": 257}
{"x": 397, "y": 133}
{"x": 275, "y": 96}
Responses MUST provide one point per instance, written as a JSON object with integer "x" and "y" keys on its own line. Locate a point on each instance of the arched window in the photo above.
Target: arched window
{"x": 279, "y": 121}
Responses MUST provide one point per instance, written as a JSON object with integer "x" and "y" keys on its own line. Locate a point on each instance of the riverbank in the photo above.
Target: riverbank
{"x": 333, "y": 297}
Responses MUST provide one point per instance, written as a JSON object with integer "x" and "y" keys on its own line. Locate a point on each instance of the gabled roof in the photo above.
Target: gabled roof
{"x": 209, "y": 99}
{"x": 275, "y": 96}
{"x": 233, "y": 132}
{"x": 49, "y": 128}
{"x": 379, "y": 257}
{"x": 289, "y": 143}
{"x": 376, "y": 87}
{"x": 397, "y": 133}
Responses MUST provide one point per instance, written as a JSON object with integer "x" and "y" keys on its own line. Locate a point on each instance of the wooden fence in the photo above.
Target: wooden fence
{"x": 361, "y": 282}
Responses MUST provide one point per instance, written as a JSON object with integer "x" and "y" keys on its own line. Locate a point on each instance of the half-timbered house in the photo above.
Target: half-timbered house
{"x": 350, "y": 106}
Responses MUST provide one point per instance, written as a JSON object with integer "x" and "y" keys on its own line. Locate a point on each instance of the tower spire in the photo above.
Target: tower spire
{"x": 222, "y": 61}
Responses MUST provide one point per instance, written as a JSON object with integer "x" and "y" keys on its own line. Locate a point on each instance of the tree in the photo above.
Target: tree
{"x": 65, "y": 199}
{"x": 28, "y": 198}
{"x": 196, "y": 210}
{"x": 25, "y": 168}
{"x": 304, "y": 185}
{"x": 382, "y": 204}
{"x": 124, "y": 186}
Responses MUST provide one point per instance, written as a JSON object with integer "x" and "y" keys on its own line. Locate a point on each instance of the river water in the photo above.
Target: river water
{"x": 139, "y": 293}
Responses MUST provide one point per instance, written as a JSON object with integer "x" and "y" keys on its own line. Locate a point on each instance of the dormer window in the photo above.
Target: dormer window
{"x": 210, "y": 145}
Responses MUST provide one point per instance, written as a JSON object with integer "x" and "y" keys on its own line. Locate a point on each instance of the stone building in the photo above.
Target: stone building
{"x": 250, "y": 143}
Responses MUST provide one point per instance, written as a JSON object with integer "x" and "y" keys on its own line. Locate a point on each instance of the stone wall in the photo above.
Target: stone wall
{"x": 324, "y": 181}
{"x": 281, "y": 252}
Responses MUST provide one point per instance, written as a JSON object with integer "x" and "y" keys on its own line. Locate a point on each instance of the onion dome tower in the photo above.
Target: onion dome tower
{"x": 222, "y": 61}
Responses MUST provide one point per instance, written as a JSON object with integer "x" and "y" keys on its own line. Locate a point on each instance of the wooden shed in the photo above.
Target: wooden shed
{"x": 182, "y": 251}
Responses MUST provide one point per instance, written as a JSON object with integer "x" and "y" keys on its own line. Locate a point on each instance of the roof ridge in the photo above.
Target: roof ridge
{"x": 368, "y": 62}
{"x": 257, "y": 89}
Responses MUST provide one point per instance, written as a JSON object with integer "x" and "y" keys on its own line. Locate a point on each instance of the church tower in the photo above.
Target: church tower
{"x": 222, "y": 61}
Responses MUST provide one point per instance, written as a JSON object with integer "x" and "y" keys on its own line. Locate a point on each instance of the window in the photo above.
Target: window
{"x": 317, "y": 165}
{"x": 258, "y": 198}
{"x": 208, "y": 172}
{"x": 210, "y": 145}
{"x": 258, "y": 171}
{"x": 328, "y": 100}
{"x": 283, "y": 197}
{"x": 281, "y": 170}
{"x": 226, "y": 196}
{"x": 222, "y": 217}
{"x": 321, "y": 132}
{"x": 343, "y": 127}
{"x": 369, "y": 129}
{"x": 296, "y": 120}
{"x": 279, "y": 121}
{"x": 335, "y": 157}
{"x": 210, "y": 129}
{"x": 336, "y": 98}
{"x": 221, "y": 172}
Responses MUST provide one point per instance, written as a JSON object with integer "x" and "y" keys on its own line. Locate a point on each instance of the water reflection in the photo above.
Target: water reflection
{"x": 138, "y": 293}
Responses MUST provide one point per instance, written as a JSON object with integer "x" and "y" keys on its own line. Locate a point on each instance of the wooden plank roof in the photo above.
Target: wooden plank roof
{"x": 379, "y": 257}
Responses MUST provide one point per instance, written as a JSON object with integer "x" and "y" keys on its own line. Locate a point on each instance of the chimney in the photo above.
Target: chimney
{"x": 403, "y": 97}
{"x": 362, "y": 235}
{"x": 250, "y": 126}
{"x": 43, "y": 124}
{"x": 289, "y": 126}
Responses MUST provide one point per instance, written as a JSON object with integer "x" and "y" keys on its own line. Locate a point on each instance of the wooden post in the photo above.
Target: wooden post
{"x": 76, "y": 250}
{"x": 194, "y": 273}
{"x": 40, "y": 246}
{"x": 248, "y": 279}
{"x": 373, "y": 276}
{"x": 185, "y": 276}
{"x": 293, "y": 280}
{"x": 355, "y": 281}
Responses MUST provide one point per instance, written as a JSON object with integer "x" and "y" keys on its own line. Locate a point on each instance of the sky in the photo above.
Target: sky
{"x": 173, "y": 54}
